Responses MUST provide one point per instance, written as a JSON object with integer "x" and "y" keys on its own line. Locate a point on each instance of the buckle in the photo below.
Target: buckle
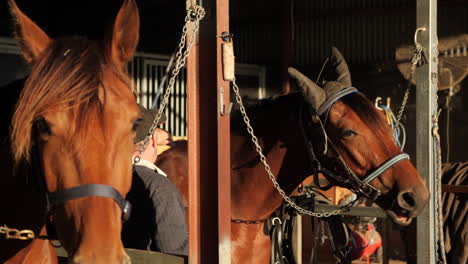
{"x": 369, "y": 191}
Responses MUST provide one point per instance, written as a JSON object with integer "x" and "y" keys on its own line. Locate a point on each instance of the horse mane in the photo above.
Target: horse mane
{"x": 68, "y": 74}
{"x": 356, "y": 101}
{"x": 261, "y": 112}
{"x": 368, "y": 114}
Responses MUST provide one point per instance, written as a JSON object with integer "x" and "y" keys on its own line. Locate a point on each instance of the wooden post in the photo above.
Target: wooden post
{"x": 193, "y": 135}
{"x": 224, "y": 139}
{"x": 426, "y": 101}
{"x": 209, "y": 142}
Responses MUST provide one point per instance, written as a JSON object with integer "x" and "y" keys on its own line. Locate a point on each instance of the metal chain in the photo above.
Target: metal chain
{"x": 414, "y": 61}
{"x": 13, "y": 233}
{"x": 259, "y": 150}
{"x": 194, "y": 14}
{"x": 248, "y": 222}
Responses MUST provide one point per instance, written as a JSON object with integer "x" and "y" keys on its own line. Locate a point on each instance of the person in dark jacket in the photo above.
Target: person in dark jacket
{"x": 157, "y": 221}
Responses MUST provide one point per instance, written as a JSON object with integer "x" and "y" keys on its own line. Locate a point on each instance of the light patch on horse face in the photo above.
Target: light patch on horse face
{"x": 225, "y": 250}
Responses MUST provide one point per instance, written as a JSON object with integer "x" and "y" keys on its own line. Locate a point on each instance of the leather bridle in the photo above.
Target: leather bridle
{"x": 361, "y": 187}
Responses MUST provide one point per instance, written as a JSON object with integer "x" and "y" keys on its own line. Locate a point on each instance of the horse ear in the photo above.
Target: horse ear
{"x": 313, "y": 93}
{"x": 32, "y": 39}
{"x": 341, "y": 68}
{"x": 125, "y": 33}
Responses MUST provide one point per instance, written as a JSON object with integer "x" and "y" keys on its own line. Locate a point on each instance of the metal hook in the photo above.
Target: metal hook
{"x": 377, "y": 103}
{"x": 416, "y": 43}
{"x": 276, "y": 218}
{"x": 226, "y": 36}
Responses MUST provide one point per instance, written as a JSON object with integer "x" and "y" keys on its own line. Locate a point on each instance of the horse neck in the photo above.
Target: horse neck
{"x": 253, "y": 193}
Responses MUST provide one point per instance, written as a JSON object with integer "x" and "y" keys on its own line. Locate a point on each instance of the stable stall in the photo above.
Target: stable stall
{"x": 268, "y": 37}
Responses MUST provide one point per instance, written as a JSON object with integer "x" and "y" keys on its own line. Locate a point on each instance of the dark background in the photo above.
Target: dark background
{"x": 161, "y": 21}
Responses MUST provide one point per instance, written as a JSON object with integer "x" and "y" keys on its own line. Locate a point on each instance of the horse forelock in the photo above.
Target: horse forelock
{"x": 67, "y": 75}
{"x": 369, "y": 115}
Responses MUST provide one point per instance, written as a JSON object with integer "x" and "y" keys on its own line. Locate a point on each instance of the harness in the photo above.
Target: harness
{"x": 281, "y": 245}
{"x": 282, "y": 224}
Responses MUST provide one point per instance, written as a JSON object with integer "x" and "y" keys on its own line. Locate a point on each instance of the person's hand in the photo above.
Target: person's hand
{"x": 163, "y": 137}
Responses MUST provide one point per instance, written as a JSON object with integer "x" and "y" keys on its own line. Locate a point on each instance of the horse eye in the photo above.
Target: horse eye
{"x": 136, "y": 123}
{"x": 348, "y": 133}
{"x": 42, "y": 126}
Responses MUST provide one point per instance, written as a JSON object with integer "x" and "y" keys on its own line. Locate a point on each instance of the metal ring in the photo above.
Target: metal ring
{"x": 276, "y": 218}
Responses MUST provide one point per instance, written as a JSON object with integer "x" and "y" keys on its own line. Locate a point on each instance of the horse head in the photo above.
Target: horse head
{"x": 360, "y": 145}
{"x": 74, "y": 122}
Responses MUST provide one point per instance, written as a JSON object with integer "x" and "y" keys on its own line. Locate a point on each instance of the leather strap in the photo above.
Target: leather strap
{"x": 98, "y": 190}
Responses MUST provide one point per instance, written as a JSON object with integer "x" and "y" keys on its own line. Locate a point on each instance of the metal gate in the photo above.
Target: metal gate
{"x": 147, "y": 71}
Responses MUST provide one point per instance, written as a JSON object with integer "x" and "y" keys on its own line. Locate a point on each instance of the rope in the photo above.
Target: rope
{"x": 397, "y": 127}
{"x": 438, "y": 190}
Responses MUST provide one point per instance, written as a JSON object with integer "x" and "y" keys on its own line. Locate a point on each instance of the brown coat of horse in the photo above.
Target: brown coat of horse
{"x": 77, "y": 111}
{"x": 359, "y": 133}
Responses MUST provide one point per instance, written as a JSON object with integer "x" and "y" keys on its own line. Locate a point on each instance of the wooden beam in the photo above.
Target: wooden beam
{"x": 426, "y": 110}
{"x": 137, "y": 256}
{"x": 208, "y": 142}
{"x": 193, "y": 121}
{"x": 201, "y": 89}
{"x": 224, "y": 142}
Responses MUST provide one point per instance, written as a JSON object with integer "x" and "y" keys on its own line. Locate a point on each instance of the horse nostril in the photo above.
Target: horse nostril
{"x": 408, "y": 197}
{"x": 407, "y": 200}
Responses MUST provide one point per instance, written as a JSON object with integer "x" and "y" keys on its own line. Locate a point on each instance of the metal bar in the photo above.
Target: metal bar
{"x": 426, "y": 101}
{"x": 224, "y": 147}
{"x": 298, "y": 239}
{"x": 354, "y": 211}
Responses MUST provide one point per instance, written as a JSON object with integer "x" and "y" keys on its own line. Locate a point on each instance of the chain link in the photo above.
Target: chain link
{"x": 248, "y": 222}
{"x": 194, "y": 14}
{"x": 414, "y": 61}
{"x": 13, "y": 233}
{"x": 259, "y": 150}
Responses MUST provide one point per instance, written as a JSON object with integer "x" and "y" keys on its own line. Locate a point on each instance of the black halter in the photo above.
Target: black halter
{"x": 59, "y": 197}
{"x": 351, "y": 181}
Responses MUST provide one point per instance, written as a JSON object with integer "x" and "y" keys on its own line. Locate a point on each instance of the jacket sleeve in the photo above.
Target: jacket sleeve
{"x": 170, "y": 234}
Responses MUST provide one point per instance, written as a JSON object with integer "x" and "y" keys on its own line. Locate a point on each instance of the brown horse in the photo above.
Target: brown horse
{"x": 71, "y": 141}
{"x": 359, "y": 142}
